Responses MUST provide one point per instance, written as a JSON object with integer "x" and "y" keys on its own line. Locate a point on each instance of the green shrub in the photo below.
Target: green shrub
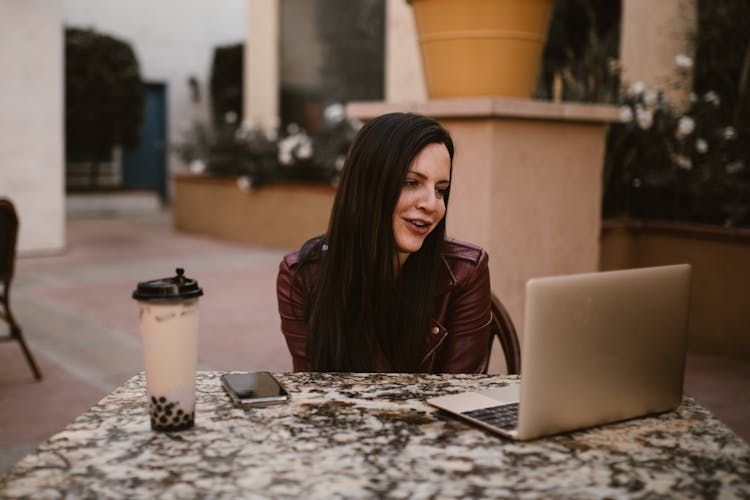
{"x": 104, "y": 96}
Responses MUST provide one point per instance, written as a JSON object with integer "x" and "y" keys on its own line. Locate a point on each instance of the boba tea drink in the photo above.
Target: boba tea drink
{"x": 169, "y": 329}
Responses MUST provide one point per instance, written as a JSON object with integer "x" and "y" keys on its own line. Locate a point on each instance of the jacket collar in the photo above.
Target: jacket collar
{"x": 445, "y": 277}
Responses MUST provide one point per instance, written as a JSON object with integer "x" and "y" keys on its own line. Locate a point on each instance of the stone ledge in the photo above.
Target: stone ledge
{"x": 490, "y": 107}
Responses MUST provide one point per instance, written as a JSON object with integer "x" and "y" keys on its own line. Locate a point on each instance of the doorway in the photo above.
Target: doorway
{"x": 145, "y": 166}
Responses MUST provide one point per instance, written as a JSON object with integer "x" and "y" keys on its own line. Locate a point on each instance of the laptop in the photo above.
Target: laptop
{"x": 597, "y": 348}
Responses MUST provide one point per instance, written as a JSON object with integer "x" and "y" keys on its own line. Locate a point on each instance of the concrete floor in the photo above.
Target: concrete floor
{"x": 82, "y": 325}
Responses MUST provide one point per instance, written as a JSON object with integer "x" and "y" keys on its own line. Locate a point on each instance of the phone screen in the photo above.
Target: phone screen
{"x": 254, "y": 388}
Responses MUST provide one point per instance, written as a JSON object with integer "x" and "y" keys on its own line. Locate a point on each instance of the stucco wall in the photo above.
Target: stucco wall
{"x": 404, "y": 78}
{"x": 261, "y": 85}
{"x": 720, "y": 284}
{"x": 31, "y": 121}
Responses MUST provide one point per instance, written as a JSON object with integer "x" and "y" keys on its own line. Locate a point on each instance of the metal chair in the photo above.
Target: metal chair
{"x": 502, "y": 328}
{"x": 8, "y": 234}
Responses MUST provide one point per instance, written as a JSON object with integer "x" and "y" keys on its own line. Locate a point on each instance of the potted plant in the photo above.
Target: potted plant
{"x": 481, "y": 47}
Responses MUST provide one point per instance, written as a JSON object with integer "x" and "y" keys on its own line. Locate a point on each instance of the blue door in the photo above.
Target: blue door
{"x": 145, "y": 166}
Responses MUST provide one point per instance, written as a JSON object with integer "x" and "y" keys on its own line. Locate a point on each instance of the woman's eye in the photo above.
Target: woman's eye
{"x": 411, "y": 183}
{"x": 441, "y": 192}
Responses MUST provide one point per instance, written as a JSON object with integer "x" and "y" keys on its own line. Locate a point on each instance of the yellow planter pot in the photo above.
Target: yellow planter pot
{"x": 481, "y": 47}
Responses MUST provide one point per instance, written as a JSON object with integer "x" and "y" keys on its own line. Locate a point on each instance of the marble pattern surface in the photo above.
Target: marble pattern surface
{"x": 372, "y": 436}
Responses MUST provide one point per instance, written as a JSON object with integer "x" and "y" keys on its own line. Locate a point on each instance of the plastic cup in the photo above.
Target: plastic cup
{"x": 169, "y": 330}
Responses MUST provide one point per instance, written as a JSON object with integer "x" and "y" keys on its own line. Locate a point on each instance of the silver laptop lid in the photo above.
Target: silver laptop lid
{"x": 602, "y": 347}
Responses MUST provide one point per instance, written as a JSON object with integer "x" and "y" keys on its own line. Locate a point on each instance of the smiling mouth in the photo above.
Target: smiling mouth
{"x": 418, "y": 226}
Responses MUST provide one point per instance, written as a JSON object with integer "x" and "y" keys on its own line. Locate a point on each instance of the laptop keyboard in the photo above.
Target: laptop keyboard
{"x": 503, "y": 416}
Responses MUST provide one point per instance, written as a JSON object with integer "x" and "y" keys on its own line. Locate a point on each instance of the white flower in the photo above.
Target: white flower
{"x": 244, "y": 183}
{"x": 295, "y": 146}
{"x": 334, "y": 113}
{"x": 292, "y": 129}
{"x": 729, "y": 133}
{"x": 626, "y": 114}
{"x": 339, "y": 163}
{"x": 683, "y": 61}
{"x": 712, "y": 97}
{"x": 243, "y": 134}
{"x": 285, "y": 156}
{"x": 735, "y": 167}
{"x": 636, "y": 182}
{"x": 701, "y": 145}
{"x": 650, "y": 98}
{"x": 613, "y": 64}
{"x": 683, "y": 162}
{"x": 304, "y": 149}
{"x": 637, "y": 89}
{"x": 685, "y": 125}
{"x": 197, "y": 166}
{"x": 286, "y": 148}
{"x": 645, "y": 118}
{"x": 692, "y": 97}
{"x": 247, "y": 130}
{"x": 230, "y": 117}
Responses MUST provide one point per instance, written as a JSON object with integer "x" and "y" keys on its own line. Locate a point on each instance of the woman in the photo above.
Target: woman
{"x": 384, "y": 290}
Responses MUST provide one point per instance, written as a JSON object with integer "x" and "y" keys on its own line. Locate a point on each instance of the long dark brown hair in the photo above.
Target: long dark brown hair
{"x": 362, "y": 302}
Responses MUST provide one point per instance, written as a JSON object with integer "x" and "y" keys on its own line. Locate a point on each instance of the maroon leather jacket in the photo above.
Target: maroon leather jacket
{"x": 458, "y": 340}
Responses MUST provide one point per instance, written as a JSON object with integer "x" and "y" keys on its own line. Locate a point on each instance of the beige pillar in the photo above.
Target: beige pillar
{"x": 32, "y": 157}
{"x": 526, "y": 184}
{"x": 653, "y": 34}
{"x": 262, "y": 64}
{"x": 404, "y": 78}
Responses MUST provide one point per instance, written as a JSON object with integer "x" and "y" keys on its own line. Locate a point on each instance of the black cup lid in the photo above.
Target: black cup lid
{"x": 175, "y": 288}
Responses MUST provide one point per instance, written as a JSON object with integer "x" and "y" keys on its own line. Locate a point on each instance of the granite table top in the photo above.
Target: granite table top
{"x": 372, "y": 436}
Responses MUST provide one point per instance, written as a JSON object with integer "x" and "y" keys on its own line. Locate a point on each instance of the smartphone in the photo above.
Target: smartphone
{"x": 254, "y": 389}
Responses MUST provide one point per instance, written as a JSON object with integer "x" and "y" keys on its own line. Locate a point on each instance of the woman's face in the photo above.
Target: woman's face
{"x": 421, "y": 205}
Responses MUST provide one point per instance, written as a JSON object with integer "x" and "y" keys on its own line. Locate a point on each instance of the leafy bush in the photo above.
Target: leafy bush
{"x": 104, "y": 95}
{"x": 692, "y": 165}
{"x": 581, "y": 53}
{"x": 258, "y": 158}
{"x": 226, "y": 81}
{"x": 662, "y": 164}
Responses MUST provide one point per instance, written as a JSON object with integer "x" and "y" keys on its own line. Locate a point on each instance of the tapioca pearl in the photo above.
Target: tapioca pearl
{"x": 162, "y": 399}
{"x": 179, "y": 412}
{"x": 153, "y": 400}
{"x": 163, "y": 419}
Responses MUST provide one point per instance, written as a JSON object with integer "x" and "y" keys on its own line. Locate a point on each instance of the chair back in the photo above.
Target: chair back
{"x": 502, "y": 327}
{"x": 8, "y": 234}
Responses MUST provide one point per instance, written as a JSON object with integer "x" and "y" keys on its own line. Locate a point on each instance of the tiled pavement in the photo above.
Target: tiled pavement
{"x": 82, "y": 327}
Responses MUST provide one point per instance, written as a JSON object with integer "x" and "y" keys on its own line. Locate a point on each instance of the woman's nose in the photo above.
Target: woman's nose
{"x": 427, "y": 199}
